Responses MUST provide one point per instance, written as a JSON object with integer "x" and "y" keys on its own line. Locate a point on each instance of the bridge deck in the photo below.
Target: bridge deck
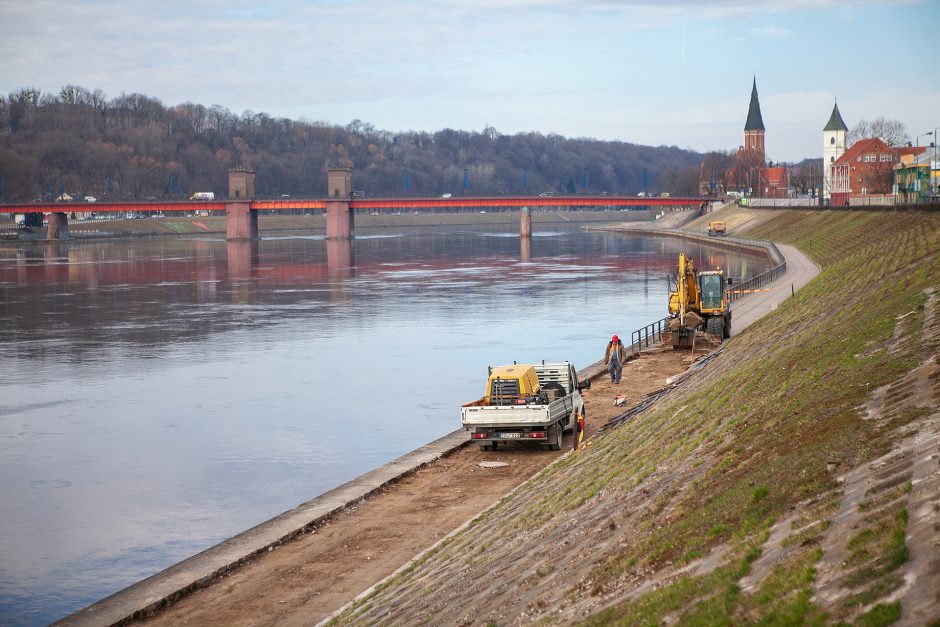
{"x": 359, "y": 203}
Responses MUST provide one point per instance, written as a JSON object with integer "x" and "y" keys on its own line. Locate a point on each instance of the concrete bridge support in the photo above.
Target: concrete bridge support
{"x": 57, "y": 226}
{"x": 241, "y": 220}
{"x": 525, "y": 222}
{"x": 340, "y": 219}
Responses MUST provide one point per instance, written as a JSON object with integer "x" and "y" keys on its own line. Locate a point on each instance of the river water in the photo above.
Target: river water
{"x": 157, "y": 397}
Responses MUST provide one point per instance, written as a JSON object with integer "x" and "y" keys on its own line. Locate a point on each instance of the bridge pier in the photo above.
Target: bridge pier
{"x": 525, "y": 222}
{"x": 57, "y": 226}
{"x": 340, "y": 219}
{"x": 241, "y": 220}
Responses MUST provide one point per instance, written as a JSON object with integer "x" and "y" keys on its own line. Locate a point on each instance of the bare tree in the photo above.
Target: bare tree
{"x": 890, "y": 131}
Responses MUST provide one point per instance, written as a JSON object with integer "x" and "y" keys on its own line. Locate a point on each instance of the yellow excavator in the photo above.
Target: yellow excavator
{"x": 699, "y": 299}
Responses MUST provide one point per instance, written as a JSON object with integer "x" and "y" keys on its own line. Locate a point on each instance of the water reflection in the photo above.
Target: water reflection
{"x": 525, "y": 249}
{"x": 159, "y": 396}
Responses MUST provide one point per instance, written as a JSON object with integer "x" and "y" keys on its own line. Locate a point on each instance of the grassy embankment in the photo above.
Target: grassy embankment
{"x": 760, "y": 435}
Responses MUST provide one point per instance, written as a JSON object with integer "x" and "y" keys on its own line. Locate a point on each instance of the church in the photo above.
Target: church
{"x": 749, "y": 172}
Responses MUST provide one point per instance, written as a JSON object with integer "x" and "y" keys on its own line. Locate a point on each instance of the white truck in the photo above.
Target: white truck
{"x": 526, "y": 403}
{"x": 203, "y": 196}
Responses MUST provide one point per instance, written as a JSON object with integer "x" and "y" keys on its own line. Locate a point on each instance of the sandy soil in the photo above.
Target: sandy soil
{"x": 304, "y": 581}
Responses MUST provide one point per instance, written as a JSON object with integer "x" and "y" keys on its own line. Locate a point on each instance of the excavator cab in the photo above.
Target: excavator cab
{"x": 711, "y": 289}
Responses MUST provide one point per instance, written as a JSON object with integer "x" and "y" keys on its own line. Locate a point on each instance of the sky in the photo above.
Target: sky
{"x": 665, "y": 72}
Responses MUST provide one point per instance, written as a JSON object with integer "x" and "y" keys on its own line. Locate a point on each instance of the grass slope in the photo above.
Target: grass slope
{"x": 663, "y": 518}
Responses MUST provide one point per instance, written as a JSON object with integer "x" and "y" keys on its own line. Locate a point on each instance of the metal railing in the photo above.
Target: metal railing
{"x": 647, "y": 336}
{"x": 740, "y": 290}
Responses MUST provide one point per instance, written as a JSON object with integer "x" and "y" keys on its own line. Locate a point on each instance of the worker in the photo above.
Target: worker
{"x": 614, "y": 357}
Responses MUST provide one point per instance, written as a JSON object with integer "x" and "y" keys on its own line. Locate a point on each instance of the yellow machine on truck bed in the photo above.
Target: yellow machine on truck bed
{"x": 699, "y": 299}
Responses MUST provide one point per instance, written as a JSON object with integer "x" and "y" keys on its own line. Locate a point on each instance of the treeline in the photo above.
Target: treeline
{"x": 133, "y": 146}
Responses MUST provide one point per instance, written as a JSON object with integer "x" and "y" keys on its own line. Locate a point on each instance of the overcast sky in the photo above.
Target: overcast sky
{"x": 671, "y": 72}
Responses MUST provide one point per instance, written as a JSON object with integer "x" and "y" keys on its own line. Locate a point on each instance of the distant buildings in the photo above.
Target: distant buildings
{"x": 870, "y": 172}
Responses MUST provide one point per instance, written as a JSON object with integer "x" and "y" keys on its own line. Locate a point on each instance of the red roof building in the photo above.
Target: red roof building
{"x": 867, "y": 168}
{"x": 773, "y": 182}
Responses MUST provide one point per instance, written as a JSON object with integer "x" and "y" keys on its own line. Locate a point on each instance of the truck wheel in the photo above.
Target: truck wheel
{"x": 555, "y": 444}
{"x": 727, "y": 329}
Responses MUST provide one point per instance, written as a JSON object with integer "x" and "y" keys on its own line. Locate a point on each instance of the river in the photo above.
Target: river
{"x": 159, "y": 396}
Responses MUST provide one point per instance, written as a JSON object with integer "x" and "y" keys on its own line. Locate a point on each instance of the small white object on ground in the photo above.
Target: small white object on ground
{"x": 492, "y": 464}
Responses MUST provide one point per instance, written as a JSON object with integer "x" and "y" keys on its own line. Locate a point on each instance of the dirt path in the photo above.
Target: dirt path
{"x": 303, "y": 581}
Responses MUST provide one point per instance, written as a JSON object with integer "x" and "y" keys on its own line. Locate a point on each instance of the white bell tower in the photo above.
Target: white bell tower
{"x": 833, "y": 147}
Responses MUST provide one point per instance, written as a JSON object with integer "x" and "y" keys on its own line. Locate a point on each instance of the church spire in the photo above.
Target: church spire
{"x": 754, "y": 120}
{"x": 835, "y": 120}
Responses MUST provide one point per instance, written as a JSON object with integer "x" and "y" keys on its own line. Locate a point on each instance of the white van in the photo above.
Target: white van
{"x": 203, "y": 196}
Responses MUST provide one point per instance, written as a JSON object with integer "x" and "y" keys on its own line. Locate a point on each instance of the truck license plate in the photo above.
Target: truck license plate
{"x": 510, "y": 435}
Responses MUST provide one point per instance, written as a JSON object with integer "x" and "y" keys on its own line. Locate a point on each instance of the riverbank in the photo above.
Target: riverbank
{"x": 788, "y": 481}
{"x": 254, "y": 545}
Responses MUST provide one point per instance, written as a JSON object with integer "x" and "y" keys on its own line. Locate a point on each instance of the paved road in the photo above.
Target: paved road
{"x": 800, "y": 271}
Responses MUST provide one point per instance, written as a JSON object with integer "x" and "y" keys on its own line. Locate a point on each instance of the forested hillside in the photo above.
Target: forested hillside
{"x": 134, "y": 146}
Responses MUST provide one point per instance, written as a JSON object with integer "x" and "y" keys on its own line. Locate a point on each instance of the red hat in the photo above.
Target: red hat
{"x": 615, "y": 339}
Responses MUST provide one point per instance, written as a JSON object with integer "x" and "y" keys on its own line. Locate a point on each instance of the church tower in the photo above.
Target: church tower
{"x": 833, "y": 147}
{"x": 754, "y": 127}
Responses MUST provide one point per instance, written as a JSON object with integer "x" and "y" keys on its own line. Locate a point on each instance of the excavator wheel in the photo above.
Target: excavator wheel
{"x": 715, "y": 326}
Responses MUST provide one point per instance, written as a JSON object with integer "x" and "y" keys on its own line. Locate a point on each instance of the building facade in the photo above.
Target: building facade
{"x": 915, "y": 177}
{"x": 865, "y": 169}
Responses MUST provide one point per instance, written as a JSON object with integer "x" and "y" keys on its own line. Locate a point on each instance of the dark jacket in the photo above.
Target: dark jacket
{"x": 621, "y": 354}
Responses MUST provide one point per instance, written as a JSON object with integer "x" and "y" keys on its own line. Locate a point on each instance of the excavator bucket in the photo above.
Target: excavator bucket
{"x": 682, "y": 337}
{"x": 684, "y": 334}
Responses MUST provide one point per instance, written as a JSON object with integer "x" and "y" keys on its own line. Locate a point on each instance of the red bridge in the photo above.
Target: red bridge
{"x": 242, "y": 211}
